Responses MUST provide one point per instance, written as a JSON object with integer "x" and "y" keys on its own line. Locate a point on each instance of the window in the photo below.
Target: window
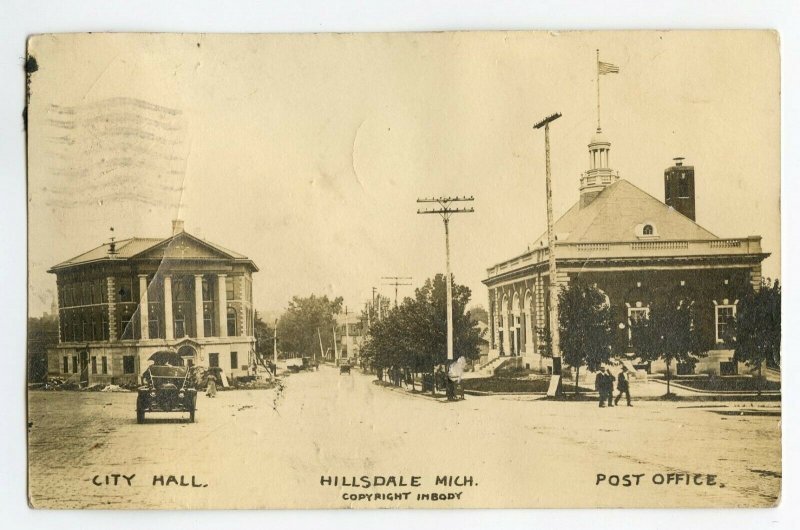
{"x": 97, "y": 326}
{"x": 68, "y": 299}
{"x": 230, "y": 292}
{"x": 213, "y": 360}
{"x": 725, "y": 319}
{"x": 104, "y": 364}
{"x": 231, "y": 322}
{"x": 94, "y": 364}
{"x": 76, "y": 326}
{"x": 86, "y": 326}
{"x": 208, "y": 320}
{"x": 128, "y": 364}
{"x": 647, "y": 230}
{"x": 125, "y": 289}
{"x": 154, "y": 322}
{"x": 180, "y": 323}
{"x": 103, "y": 291}
{"x": 234, "y": 360}
{"x": 126, "y": 323}
{"x": 96, "y": 288}
{"x": 104, "y": 324}
{"x": 66, "y": 365}
{"x": 74, "y": 364}
{"x": 636, "y": 316}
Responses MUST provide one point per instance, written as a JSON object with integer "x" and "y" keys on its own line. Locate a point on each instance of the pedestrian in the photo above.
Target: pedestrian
{"x": 454, "y": 375}
{"x": 623, "y": 385}
{"x": 610, "y": 387}
{"x": 211, "y": 387}
{"x": 600, "y": 386}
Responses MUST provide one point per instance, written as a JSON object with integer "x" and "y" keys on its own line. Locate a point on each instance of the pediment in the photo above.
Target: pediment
{"x": 183, "y": 246}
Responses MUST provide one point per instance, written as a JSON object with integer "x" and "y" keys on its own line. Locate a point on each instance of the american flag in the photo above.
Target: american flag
{"x": 607, "y": 68}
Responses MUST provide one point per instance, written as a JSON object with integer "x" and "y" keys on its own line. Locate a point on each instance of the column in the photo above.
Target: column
{"x": 506, "y": 326}
{"x": 111, "y": 294}
{"x": 143, "y": 308}
{"x": 529, "y": 316}
{"x": 223, "y": 305}
{"x": 168, "y": 323}
{"x": 244, "y": 306}
{"x": 198, "y": 306}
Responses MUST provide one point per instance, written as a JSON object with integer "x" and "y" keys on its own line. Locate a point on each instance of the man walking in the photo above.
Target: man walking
{"x": 600, "y": 386}
{"x": 623, "y": 386}
{"x": 609, "y": 387}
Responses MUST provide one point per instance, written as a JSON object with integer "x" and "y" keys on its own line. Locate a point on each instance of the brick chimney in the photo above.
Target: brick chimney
{"x": 177, "y": 226}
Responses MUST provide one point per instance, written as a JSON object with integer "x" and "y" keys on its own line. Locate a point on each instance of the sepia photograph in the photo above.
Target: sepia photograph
{"x": 428, "y": 270}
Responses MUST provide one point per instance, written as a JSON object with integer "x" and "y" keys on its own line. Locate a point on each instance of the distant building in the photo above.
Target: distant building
{"x": 350, "y": 335}
{"x": 122, "y": 301}
{"x": 628, "y": 244}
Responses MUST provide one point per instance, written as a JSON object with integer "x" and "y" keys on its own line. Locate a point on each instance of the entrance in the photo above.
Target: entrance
{"x": 84, "y": 358}
{"x": 188, "y": 354}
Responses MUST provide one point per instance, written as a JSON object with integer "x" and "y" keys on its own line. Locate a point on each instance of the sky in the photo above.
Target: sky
{"x": 307, "y": 153}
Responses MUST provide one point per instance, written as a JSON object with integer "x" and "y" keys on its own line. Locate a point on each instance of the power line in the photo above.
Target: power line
{"x": 396, "y": 283}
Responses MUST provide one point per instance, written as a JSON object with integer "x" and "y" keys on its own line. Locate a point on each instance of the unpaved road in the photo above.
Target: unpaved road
{"x": 257, "y": 449}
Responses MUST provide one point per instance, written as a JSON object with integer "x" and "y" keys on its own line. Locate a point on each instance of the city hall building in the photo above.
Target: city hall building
{"x": 121, "y": 302}
{"x": 633, "y": 247}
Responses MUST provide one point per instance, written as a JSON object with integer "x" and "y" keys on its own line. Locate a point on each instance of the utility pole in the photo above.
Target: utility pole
{"x": 396, "y": 284}
{"x": 445, "y": 210}
{"x": 335, "y": 347}
{"x": 551, "y": 248}
{"x": 321, "y": 351}
{"x": 275, "y": 344}
{"x": 346, "y": 332}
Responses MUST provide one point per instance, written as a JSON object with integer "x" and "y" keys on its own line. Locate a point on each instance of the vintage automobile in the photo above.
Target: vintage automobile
{"x": 302, "y": 363}
{"x": 344, "y": 367}
{"x": 167, "y": 386}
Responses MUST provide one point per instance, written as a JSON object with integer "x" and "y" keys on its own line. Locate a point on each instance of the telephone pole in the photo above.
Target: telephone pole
{"x": 446, "y": 210}
{"x": 551, "y": 248}
{"x": 396, "y": 284}
{"x": 275, "y": 344}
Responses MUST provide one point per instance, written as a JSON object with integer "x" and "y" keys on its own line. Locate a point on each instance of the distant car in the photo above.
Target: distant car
{"x": 167, "y": 386}
{"x": 344, "y": 368}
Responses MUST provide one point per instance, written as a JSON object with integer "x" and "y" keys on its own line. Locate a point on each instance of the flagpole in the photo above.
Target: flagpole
{"x": 597, "y": 68}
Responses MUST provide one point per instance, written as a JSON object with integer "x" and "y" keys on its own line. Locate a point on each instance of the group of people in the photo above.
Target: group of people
{"x": 604, "y": 384}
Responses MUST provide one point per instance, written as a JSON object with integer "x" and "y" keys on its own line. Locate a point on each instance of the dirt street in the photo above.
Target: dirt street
{"x": 264, "y": 448}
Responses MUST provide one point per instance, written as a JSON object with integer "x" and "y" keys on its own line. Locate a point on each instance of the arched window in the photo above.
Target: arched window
{"x": 647, "y": 230}
{"x": 231, "y": 322}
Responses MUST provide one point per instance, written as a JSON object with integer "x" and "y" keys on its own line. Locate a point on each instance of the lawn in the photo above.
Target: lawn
{"x": 508, "y": 384}
{"x": 728, "y": 384}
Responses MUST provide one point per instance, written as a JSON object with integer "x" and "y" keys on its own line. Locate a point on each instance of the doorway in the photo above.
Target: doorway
{"x": 84, "y": 360}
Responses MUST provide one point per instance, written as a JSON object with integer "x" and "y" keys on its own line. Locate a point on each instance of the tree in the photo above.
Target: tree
{"x": 479, "y": 314}
{"x": 669, "y": 332}
{"x": 758, "y": 327}
{"x": 305, "y": 321}
{"x": 42, "y": 335}
{"x": 584, "y": 321}
{"x": 414, "y": 335}
{"x": 265, "y": 335}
